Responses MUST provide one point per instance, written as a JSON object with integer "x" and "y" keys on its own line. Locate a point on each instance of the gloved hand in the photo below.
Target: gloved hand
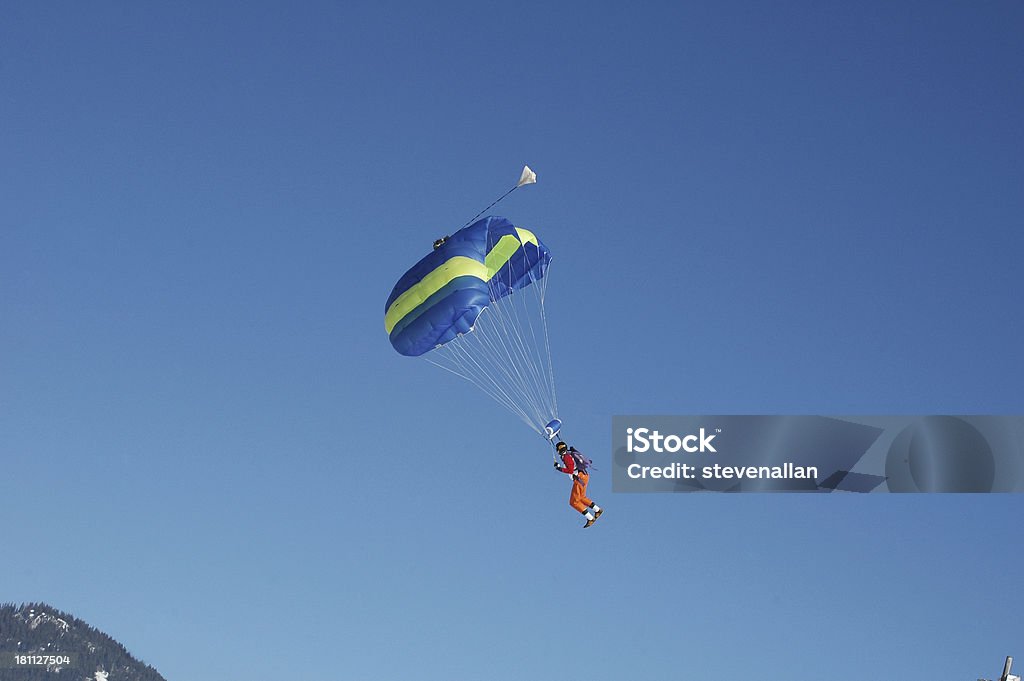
{"x": 557, "y": 467}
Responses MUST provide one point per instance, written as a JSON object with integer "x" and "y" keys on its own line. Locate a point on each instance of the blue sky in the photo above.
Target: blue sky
{"x": 212, "y": 453}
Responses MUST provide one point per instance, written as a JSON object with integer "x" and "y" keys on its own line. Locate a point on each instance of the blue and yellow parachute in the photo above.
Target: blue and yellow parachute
{"x": 475, "y": 306}
{"x": 443, "y": 294}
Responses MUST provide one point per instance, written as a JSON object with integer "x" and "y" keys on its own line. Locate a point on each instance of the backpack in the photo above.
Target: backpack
{"x": 583, "y": 464}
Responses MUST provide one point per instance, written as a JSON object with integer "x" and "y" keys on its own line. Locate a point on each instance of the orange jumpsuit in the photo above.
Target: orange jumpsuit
{"x": 578, "y": 498}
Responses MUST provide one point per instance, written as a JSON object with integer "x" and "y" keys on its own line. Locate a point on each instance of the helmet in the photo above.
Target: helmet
{"x": 561, "y": 446}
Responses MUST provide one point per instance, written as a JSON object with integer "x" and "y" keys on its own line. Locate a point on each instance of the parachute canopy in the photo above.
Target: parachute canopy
{"x": 475, "y": 307}
{"x": 443, "y": 294}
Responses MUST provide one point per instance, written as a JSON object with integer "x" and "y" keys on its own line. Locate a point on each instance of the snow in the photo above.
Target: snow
{"x": 43, "y": 617}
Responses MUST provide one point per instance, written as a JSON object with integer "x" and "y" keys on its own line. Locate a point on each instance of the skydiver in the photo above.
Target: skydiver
{"x": 440, "y": 242}
{"x": 575, "y": 464}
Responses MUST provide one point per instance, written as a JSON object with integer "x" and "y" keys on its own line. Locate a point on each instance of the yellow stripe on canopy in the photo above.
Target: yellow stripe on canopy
{"x": 501, "y": 254}
{"x": 527, "y": 237}
{"x": 458, "y": 266}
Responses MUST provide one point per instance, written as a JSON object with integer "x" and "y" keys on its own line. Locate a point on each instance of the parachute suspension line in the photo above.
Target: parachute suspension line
{"x": 508, "y": 348}
{"x": 465, "y": 358}
{"x": 507, "y": 354}
{"x": 547, "y": 347}
{"x": 527, "y": 315}
{"x": 504, "y": 346}
{"x": 534, "y": 352}
{"x": 506, "y": 361}
{"x": 462, "y": 363}
{"x": 507, "y": 365}
{"x": 471, "y": 365}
